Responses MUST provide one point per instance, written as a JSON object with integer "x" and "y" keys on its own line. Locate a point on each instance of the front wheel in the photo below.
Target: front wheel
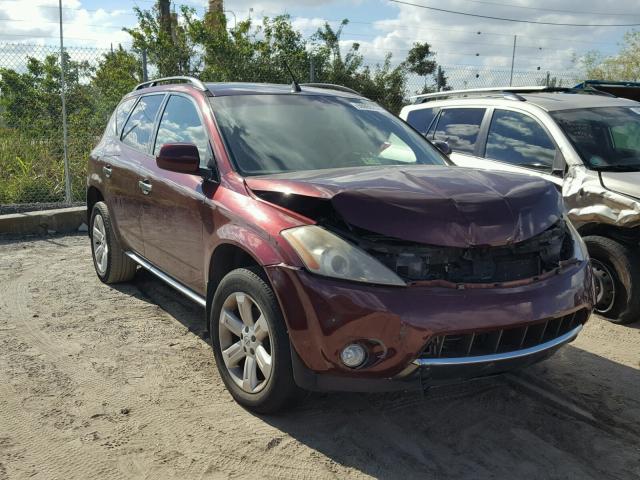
{"x": 617, "y": 279}
{"x": 250, "y": 342}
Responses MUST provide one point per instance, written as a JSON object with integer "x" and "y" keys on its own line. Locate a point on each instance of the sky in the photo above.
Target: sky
{"x": 380, "y": 26}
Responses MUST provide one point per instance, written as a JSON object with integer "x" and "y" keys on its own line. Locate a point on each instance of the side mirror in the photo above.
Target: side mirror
{"x": 442, "y": 146}
{"x": 179, "y": 157}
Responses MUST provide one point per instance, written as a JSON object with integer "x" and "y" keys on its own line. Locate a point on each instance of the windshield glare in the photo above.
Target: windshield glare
{"x": 607, "y": 138}
{"x": 283, "y": 133}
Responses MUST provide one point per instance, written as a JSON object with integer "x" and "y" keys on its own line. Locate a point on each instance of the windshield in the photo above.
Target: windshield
{"x": 283, "y": 133}
{"x": 607, "y": 138}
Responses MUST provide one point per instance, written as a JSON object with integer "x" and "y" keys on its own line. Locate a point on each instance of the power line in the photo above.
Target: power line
{"x": 515, "y": 19}
{"x": 555, "y": 10}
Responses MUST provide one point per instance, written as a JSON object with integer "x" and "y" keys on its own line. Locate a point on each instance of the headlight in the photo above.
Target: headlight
{"x": 579, "y": 248}
{"x": 327, "y": 254}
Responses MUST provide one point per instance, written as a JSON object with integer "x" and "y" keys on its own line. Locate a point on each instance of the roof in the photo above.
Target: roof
{"x": 222, "y": 89}
{"x": 568, "y": 101}
{"x": 241, "y": 88}
{"x": 548, "y": 101}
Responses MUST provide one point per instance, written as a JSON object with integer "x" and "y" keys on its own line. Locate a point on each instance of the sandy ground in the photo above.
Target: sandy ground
{"x": 102, "y": 382}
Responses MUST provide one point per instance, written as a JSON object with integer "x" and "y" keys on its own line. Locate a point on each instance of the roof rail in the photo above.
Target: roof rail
{"x": 191, "y": 80}
{"x": 331, "y": 86}
{"x": 507, "y": 92}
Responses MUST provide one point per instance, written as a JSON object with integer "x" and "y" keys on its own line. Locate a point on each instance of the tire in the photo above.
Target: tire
{"x": 114, "y": 266}
{"x": 247, "y": 289}
{"x": 615, "y": 265}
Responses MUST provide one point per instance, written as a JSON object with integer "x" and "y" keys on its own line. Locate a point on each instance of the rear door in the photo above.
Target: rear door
{"x": 172, "y": 214}
{"x": 134, "y": 146}
{"x": 461, "y": 128}
{"x": 118, "y": 175}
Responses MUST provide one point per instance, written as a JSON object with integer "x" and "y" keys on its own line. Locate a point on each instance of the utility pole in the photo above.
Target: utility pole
{"x": 67, "y": 173}
{"x": 513, "y": 59}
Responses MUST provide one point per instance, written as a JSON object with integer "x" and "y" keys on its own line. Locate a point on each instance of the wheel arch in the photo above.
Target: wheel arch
{"x": 227, "y": 257}
{"x": 626, "y": 236}
{"x": 94, "y": 195}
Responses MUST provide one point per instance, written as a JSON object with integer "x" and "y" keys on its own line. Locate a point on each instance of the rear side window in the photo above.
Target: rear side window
{"x": 138, "y": 130}
{"x": 421, "y": 119}
{"x": 180, "y": 123}
{"x": 520, "y": 140}
{"x": 122, "y": 112}
{"x": 459, "y": 127}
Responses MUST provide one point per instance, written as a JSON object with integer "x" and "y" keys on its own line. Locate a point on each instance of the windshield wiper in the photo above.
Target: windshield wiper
{"x": 618, "y": 168}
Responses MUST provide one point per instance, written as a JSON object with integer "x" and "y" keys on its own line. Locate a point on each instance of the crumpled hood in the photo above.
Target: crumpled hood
{"x": 627, "y": 183}
{"x": 437, "y": 205}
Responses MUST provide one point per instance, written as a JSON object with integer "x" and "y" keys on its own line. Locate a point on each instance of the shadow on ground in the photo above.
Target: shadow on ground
{"x": 480, "y": 429}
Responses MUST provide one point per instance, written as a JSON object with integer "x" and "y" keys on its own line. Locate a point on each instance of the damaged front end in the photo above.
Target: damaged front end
{"x": 455, "y": 267}
{"x": 416, "y": 263}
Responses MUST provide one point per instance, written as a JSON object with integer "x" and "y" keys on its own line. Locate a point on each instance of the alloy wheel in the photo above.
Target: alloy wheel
{"x": 100, "y": 245}
{"x": 605, "y": 286}
{"x": 245, "y": 342}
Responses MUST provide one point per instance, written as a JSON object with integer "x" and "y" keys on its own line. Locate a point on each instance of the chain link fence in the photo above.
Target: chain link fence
{"x": 32, "y": 173}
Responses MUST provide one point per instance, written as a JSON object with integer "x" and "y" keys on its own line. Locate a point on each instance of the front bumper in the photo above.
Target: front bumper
{"x": 323, "y": 315}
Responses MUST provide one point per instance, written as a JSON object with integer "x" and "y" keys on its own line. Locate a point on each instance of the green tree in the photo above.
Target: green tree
{"x": 624, "y": 66}
{"x": 117, "y": 73}
{"x": 165, "y": 40}
{"x": 382, "y": 82}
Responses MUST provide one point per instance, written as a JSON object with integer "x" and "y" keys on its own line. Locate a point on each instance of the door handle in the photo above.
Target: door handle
{"x": 107, "y": 171}
{"x": 145, "y": 186}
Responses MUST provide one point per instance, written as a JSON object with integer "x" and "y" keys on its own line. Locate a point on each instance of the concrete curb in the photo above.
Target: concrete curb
{"x": 62, "y": 220}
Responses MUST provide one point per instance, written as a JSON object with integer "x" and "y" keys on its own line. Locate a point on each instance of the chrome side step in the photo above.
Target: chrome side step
{"x": 187, "y": 292}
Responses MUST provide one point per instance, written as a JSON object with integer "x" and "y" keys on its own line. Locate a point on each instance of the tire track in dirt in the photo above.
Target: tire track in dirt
{"x": 92, "y": 350}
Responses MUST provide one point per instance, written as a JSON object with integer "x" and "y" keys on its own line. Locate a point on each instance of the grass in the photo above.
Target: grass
{"x": 32, "y": 166}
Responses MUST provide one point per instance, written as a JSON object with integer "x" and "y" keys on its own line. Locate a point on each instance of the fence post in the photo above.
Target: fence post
{"x": 312, "y": 70}
{"x": 67, "y": 173}
{"x": 513, "y": 59}
{"x": 145, "y": 74}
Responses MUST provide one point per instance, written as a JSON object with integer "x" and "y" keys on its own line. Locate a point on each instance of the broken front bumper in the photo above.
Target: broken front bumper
{"x": 324, "y": 315}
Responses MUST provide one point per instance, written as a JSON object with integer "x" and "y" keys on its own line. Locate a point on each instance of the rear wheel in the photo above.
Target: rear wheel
{"x": 250, "y": 343}
{"x": 109, "y": 260}
{"x": 617, "y": 279}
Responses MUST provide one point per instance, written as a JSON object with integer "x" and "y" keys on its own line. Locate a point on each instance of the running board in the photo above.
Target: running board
{"x": 187, "y": 292}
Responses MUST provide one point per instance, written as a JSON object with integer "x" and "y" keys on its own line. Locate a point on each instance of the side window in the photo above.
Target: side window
{"x": 138, "y": 130}
{"x": 180, "y": 123}
{"x": 459, "y": 127}
{"x": 122, "y": 112}
{"x": 626, "y": 137}
{"x": 519, "y": 139}
{"x": 421, "y": 119}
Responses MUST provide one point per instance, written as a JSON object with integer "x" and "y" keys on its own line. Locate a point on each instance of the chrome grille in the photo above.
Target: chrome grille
{"x": 510, "y": 339}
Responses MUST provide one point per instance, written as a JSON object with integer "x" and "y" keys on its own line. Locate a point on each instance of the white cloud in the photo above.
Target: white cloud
{"x": 37, "y": 23}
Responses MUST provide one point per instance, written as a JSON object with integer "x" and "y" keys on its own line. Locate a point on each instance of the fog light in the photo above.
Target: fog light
{"x": 353, "y": 355}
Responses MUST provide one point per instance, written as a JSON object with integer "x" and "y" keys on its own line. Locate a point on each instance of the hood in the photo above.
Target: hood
{"x": 627, "y": 183}
{"x": 436, "y": 205}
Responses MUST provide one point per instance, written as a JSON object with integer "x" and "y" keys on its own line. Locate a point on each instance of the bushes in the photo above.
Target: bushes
{"x": 32, "y": 170}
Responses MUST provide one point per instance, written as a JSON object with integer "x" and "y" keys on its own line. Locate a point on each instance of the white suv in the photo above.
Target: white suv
{"x": 587, "y": 145}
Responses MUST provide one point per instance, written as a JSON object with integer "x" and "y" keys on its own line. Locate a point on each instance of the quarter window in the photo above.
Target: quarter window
{"x": 520, "y": 140}
{"x": 421, "y": 119}
{"x": 180, "y": 123}
{"x": 138, "y": 130}
{"x": 122, "y": 112}
{"x": 459, "y": 127}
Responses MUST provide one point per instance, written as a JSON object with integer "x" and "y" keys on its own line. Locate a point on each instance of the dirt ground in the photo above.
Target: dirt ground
{"x": 101, "y": 382}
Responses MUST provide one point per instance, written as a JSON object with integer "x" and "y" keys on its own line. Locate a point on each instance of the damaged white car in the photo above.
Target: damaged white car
{"x": 588, "y": 145}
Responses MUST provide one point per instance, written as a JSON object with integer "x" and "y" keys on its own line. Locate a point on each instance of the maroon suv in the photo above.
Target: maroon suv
{"x": 333, "y": 247}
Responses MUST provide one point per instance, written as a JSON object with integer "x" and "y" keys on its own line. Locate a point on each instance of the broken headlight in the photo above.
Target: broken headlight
{"x": 327, "y": 254}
